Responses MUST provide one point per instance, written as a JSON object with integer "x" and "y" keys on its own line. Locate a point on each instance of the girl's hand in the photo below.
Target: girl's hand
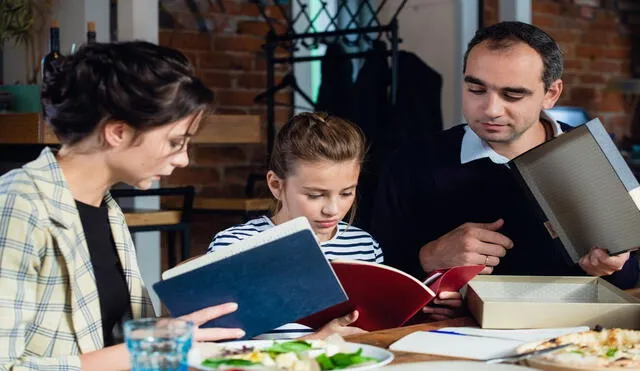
{"x": 339, "y": 326}
{"x": 448, "y": 304}
{"x": 213, "y": 334}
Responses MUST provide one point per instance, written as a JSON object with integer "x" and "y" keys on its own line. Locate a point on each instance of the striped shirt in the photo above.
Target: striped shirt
{"x": 349, "y": 243}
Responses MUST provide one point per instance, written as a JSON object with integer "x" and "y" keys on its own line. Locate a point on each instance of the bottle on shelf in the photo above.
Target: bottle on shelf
{"x": 52, "y": 59}
{"x": 91, "y": 32}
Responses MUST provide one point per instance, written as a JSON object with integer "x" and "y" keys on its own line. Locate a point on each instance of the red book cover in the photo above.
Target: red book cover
{"x": 386, "y": 297}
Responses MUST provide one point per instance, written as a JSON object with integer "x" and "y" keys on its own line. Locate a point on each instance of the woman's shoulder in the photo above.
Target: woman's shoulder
{"x": 19, "y": 184}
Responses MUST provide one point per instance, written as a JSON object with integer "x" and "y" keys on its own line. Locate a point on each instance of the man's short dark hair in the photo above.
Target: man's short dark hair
{"x": 504, "y": 35}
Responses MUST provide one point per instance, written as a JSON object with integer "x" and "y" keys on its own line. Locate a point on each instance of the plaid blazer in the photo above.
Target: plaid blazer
{"x": 49, "y": 306}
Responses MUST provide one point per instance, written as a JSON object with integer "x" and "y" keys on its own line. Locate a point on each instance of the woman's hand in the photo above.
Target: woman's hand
{"x": 339, "y": 326}
{"x": 448, "y": 304}
{"x": 213, "y": 334}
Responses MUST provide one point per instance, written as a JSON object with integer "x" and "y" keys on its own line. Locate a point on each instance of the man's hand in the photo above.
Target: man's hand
{"x": 469, "y": 244}
{"x": 448, "y": 304}
{"x": 598, "y": 262}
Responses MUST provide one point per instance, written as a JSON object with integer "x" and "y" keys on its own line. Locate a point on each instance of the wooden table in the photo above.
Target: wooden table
{"x": 384, "y": 338}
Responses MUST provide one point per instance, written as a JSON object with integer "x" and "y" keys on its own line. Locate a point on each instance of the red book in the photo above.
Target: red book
{"x": 386, "y": 297}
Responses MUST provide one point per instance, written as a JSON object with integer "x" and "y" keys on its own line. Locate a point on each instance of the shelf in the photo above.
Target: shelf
{"x": 27, "y": 128}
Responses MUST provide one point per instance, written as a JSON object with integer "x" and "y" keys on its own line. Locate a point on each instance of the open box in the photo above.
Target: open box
{"x": 509, "y": 302}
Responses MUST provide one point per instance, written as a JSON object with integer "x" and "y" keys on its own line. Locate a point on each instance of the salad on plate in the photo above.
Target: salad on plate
{"x": 333, "y": 353}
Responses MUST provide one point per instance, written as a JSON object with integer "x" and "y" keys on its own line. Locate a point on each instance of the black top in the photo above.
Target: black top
{"x": 426, "y": 192}
{"x": 112, "y": 287}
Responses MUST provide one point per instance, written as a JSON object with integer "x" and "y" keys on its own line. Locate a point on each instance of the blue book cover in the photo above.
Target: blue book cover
{"x": 276, "y": 277}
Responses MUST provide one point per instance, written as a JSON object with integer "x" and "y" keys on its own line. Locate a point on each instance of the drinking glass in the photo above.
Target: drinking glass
{"x": 158, "y": 344}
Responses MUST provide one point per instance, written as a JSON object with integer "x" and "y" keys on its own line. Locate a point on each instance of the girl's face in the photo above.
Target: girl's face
{"x": 322, "y": 191}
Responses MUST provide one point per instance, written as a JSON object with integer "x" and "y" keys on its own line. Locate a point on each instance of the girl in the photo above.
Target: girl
{"x": 313, "y": 173}
{"x": 123, "y": 113}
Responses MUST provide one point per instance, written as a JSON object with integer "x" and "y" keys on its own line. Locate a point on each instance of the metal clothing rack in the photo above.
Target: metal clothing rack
{"x": 350, "y": 32}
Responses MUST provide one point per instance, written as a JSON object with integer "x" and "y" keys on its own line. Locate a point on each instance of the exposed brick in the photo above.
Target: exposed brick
{"x": 225, "y": 61}
{"x": 569, "y": 78}
{"x": 573, "y": 64}
{"x": 595, "y": 37}
{"x": 592, "y": 79}
{"x": 249, "y": 9}
{"x": 587, "y": 12}
{"x": 253, "y": 80}
{"x": 240, "y": 174}
{"x": 218, "y": 155}
{"x": 243, "y": 43}
{"x": 258, "y": 28}
{"x": 544, "y": 21}
{"x": 233, "y": 111}
{"x": 192, "y": 56}
{"x": 564, "y": 36}
{"x": 605, "y": 66}
{"x": 546, "y": 7}
{"x": 241, "y": 98}
{"x": 225, "y": 190}
{"x": 193, "y": 175}
{"x": 618, "y": 40}
{"x": 582, "y": 94}
{"x": 591, "y": 3}
{"x": 589, "y": 51}
{"x": 610, "y": 102}
{"x": 617, "y": 53}
{"x": 218, "y": 79}
{"x": 184, "y": 40}
{"x": 256, "y": 80}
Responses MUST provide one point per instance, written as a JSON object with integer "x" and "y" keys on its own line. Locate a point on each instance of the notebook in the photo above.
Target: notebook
{"x": 276, "y": 277}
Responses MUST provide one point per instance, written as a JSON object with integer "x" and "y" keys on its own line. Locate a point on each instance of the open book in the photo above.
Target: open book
{"x": 583, "y": 190}
{"x": 276, "y": 277}
{"x": 386, "y": 297}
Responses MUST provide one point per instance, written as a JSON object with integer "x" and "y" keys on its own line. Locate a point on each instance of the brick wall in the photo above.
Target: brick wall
{"x": 224, "y": 44}
{"x": 598, "y": 49}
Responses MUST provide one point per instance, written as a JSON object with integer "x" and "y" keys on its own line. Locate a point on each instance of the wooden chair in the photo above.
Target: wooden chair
{"x": 172, "y": 221}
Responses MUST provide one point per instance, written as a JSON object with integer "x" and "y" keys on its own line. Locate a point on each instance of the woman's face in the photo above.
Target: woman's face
{"x": 154, "y": 153}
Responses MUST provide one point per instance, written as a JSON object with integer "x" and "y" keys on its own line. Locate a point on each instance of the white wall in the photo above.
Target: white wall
{"x": 138, "y": 20}
{"x": 73, "y": 16}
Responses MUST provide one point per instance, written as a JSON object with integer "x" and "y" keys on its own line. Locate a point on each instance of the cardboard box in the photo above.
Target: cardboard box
{"x": 583, "y": 191}
{"x": 511, "y": 302}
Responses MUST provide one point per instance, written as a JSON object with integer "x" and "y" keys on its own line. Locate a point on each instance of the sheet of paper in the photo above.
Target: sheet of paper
{"x": 526, "y": 335}
{"x": 476, "y": 343}
{"x": 461, "y": 346}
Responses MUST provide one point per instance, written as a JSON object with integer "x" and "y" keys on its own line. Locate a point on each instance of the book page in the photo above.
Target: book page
{"x": 581, "y": 194}
{"x": 275, "y": 233}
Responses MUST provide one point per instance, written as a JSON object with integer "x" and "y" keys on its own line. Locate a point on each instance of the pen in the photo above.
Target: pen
{"x": 472, "y": 335}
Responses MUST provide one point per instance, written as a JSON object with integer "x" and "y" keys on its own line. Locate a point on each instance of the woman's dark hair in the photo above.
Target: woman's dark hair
{"x": 136, "y": 82}
{"x": 504, "y": 35}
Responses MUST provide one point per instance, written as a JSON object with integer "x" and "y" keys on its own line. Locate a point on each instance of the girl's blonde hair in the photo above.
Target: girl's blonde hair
{"x": 315, "y": 137}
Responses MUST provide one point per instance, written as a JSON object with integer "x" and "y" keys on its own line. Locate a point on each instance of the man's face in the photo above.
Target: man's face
{"x": 503, "y": 92}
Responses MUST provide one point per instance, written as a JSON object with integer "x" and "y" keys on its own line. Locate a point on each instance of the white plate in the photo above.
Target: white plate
{"x": 454, "y": 366}
{"x": 197, "y": 355}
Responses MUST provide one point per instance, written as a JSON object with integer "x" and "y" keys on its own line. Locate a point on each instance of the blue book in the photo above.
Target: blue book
{"x": 276, "y": 277}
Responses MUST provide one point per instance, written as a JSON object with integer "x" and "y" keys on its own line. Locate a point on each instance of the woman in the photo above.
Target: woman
{"x": 123, "y": 113}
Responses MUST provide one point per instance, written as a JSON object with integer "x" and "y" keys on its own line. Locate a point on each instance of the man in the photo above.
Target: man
{"x": 453, "y": 201}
